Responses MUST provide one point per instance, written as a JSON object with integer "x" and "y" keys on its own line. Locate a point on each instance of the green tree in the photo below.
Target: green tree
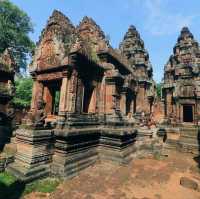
{"x": 15, "y": 26}
{"x": 158, "y": 88}
{"x": 23, "y": 92}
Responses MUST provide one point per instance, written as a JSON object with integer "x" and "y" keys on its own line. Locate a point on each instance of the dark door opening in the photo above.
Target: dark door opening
{"x": 87, "y": 98}
{"x": 129, "y": 100}
{"x": 187, "y": 113}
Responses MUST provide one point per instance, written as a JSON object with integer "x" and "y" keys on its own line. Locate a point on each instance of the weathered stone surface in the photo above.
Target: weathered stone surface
{"x": 93, "y": 117}
{"x": 132, "y": 47}
{"x": 180, "y": 93}
{"x": 7, "y": 66}
{"x": 181, "y": 80}
{"x": 34, "y": 154}
{"x": 54, "y": 44}
{"x": 188, "y": 183}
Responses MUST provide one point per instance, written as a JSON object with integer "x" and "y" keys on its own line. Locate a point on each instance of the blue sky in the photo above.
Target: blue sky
{"x": 158, "y": 21}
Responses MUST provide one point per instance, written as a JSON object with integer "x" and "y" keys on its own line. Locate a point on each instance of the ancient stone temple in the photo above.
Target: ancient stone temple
{"x": 85, "y": 96}
{"x": 180, "y": 91}
{"x": 132, "y": 47}
{"x": 7, "y": 67}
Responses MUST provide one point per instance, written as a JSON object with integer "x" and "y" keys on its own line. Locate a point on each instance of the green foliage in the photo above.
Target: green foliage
{"x": 158, "y": 88}
{"x": 7, "y": 178}
{"x": 157, "y": 155}
{"x": 23, "y": 93}
{"x": 57, "y": 100}
{"x": 11, "y": 188}
{"x": 47, "y": 185}
{"x": 15, "y": 25}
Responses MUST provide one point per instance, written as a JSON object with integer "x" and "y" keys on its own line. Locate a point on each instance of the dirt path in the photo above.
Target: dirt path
{"x": 141, "y": 179}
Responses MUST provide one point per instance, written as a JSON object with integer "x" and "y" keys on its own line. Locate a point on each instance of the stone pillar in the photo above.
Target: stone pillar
{"x": 48, "y": 98}
{"x": 93, "y": 102}
{"x": 63, "y": 96}
{"x": 123, "y": 103}
{"x": 37, "y": 94}
{"x": 110, "y": 100}
{"x": 72, "y": 90}
{"x": 79, "y": 96}
{"x": 141, "y": 102}
{"x": 102, "y": 97}
{"x": 169, "y": 103}
{"x": 132, "y": 107}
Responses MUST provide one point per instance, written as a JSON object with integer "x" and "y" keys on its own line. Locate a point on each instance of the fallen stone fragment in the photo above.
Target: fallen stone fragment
{"x": 188, "y": 183}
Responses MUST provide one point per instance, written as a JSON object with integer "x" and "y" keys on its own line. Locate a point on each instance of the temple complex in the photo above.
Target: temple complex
{"x": 7, "y": 66}
{"x": 181, "y": 94}
{"x": 90, "y": 102}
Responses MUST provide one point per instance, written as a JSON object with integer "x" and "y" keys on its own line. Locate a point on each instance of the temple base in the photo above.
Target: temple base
{"x": 34, "y": 154}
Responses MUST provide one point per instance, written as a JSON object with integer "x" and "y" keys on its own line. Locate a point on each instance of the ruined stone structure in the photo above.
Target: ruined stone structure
{"x": 133, "y": 49}
{"x": 88, "y": 100}
{"x": 7, "y": 67}
{"x": 181, "y": 94}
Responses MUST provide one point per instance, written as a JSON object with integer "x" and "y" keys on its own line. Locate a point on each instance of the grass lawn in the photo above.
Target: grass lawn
{"x": 11, "y": 188}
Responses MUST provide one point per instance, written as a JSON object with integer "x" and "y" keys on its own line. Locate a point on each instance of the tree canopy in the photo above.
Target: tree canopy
{"x": 23, "y": 92}
{"x": 15, "y": 26}
{"x": 158, "y": 88}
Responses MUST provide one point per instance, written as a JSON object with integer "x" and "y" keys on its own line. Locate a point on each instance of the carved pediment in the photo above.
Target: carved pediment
{"x": 55, "y": 42}
{"x": 186, "y": 91}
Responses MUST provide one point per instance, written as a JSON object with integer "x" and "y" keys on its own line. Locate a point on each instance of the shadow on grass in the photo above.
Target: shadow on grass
{"x": 12, "y": 191}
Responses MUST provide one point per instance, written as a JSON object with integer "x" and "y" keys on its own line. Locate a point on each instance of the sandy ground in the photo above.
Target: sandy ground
{"x": 141, "y": 179}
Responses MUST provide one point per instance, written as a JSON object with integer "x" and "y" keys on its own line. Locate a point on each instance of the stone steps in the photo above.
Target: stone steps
{"x": 28, "y": 174}
{"x": 189, "y": 140}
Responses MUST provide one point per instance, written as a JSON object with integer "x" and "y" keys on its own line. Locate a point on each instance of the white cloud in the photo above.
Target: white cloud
{"x": 160, "y": 20}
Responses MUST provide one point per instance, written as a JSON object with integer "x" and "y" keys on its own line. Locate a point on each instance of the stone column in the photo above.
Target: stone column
{"x": 48, "y": 98}
{"x": 132, "y": 107}
{"x": 72, "y": 90}
{"x": 110, "y": 100}
{"x": 169, "y": 103}
{"x": 141, "y": 106}
{"x": 37, "y": 94}
{"x": 93, "y": 102}
{"x": 79, "y": 96}
{"x": 102, "y": 97}
{"x": 123, "y": 103}
{"x": 63, "y": 96}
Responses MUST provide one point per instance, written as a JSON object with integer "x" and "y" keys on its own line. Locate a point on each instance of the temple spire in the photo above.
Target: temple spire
{"x": 133, "y": 48}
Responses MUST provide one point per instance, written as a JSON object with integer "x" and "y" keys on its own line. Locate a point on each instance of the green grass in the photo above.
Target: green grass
{"x": 7, "y": 178}
{"x": 157, "y": 156}
{"x": 11, "y": 188}
{"x": 47, "y": 185}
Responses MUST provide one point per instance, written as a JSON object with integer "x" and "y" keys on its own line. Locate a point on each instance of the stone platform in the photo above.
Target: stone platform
{"x": 65, "y": 152}
{"x": 34, "y": 153}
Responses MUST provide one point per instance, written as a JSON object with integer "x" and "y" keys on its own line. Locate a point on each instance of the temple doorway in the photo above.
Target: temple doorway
{"x": 52, "y": 97}
{"x": 187, "y": 113}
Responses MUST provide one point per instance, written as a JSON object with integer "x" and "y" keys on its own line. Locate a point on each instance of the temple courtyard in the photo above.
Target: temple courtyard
{"x": 149, "y": 178}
